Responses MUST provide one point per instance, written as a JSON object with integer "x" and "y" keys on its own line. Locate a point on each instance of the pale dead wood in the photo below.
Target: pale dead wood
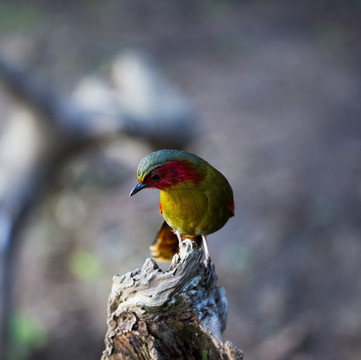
{"x": 177, "y": 314}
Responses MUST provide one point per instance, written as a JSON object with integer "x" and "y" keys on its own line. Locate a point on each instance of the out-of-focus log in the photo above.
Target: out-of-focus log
{"x": 138, "y": 102}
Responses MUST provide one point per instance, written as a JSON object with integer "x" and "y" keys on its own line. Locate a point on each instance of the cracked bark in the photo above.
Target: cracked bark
{"x": 177, "y": 314}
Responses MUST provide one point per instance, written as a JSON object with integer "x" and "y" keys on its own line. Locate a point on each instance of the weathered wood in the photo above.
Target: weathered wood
{"x": 177, "y": 314}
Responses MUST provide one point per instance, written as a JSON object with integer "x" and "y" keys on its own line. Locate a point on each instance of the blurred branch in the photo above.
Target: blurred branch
{"x": 143, "y": 104}
{"x": 177, "y": 314}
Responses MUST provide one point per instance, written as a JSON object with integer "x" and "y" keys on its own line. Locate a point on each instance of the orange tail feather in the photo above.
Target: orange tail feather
{"x": 165, "y": 244}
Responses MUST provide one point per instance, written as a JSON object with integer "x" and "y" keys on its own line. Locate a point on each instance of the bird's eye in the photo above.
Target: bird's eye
{"x": 155, "y": 177}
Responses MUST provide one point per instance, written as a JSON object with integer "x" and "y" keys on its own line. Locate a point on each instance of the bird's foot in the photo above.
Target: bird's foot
{"x": 210, "y": 272}
{"x": 180, "y": 241}
{"x": 208, "y": 262}
{"x": 181, "y": 246}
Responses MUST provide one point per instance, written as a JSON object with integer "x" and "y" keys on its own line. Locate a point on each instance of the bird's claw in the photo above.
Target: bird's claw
{"x": 210, "y": 275}
{"x": 208, "y": 263}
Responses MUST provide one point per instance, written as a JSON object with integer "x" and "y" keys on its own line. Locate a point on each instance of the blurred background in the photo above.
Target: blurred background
{"x": 269, "y": 92}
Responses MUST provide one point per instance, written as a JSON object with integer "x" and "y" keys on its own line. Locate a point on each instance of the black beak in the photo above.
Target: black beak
{"x": 137, "y": 188}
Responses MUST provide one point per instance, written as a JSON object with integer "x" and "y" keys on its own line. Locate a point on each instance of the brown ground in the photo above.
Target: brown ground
{"x": 276, "y": 85}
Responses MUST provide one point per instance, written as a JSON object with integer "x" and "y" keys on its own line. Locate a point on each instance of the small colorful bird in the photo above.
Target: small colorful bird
{"x": 195, "y": 199}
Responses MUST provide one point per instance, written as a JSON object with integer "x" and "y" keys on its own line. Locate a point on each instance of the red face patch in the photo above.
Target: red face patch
{"x": 231, "y": 208}
{"x": 172, "y": 174}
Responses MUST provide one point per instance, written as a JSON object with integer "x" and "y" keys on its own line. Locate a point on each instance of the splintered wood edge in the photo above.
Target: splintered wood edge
{"x": 149, "y": 291}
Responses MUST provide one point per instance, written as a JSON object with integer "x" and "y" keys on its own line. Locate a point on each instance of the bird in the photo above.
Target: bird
{"x": 195, "y": 199}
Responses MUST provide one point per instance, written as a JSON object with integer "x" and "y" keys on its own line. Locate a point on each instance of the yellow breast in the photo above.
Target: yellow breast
{"x": 195, "y": 210}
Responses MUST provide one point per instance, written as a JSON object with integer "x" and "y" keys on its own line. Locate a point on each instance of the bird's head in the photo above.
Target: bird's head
{"x": 166, "y": 168}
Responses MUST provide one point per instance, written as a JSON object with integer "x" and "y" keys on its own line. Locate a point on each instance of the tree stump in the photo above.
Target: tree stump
{"x": 176, "y": 314}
